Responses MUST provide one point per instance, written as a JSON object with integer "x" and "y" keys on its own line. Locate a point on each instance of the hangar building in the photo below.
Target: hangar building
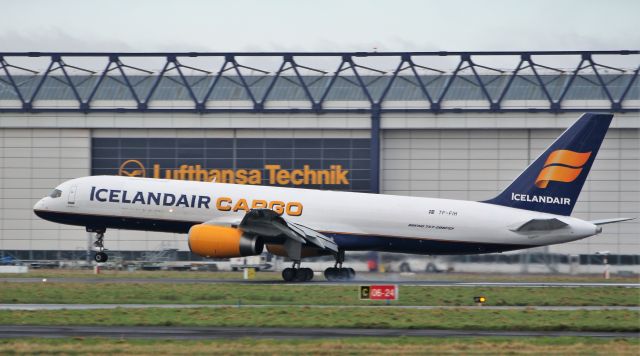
{"x": 456, "y": 125}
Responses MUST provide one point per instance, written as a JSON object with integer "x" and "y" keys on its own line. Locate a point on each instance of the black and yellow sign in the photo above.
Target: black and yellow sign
{"x": 342, "y": 164}
{"x": 365, "y": 292}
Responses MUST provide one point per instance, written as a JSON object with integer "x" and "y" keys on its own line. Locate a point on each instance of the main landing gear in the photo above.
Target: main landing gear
{"x": 297, "y": 274}
{"x": 100, "y": 256}
{"x": 339, "y": 273}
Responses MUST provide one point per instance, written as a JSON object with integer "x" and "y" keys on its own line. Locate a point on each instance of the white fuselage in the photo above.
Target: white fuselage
{"x": 357, "y": 221}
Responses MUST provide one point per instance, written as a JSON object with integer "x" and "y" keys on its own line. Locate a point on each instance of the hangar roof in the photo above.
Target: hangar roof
{"x": 346, "y": 88}
{"x": 59, "y": 82}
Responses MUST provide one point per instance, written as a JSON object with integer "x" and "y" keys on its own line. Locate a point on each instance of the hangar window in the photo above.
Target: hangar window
{"x": 56, "y": 193}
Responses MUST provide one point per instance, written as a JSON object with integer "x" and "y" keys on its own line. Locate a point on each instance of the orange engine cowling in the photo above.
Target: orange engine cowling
{"x": 222, "y": 242}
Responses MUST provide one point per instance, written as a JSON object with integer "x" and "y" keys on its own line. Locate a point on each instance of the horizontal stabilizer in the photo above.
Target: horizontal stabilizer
{"x": 540, "y": 225}
{"x": 609, "y": 221}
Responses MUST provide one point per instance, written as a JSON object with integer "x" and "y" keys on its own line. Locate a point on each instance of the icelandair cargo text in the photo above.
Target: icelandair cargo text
{"x": 192, "y": 201}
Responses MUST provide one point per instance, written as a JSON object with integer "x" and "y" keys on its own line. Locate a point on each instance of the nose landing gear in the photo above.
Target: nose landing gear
{"x": 100, "y": 256}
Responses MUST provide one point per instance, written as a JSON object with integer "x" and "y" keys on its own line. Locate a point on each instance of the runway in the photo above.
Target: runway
{"x": 191, "y": 306}
{"x": 193, "y": 333}
{"x": 320, "y": 282}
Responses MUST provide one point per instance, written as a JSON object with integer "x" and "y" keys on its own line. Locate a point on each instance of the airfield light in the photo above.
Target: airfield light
{"x": 480, "y": 300}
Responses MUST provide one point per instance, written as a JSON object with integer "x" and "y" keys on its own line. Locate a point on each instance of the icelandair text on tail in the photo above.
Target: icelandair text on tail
{"x": 540, "y": 199}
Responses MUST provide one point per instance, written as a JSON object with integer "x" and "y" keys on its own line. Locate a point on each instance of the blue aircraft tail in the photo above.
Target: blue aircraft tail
{"x": 552, "y": 183}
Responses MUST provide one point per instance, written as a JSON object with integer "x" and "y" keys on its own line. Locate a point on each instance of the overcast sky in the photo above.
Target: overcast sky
{"x": 322, "y": 25}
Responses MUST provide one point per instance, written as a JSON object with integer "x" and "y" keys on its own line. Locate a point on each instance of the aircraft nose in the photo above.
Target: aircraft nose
{"x": 40, "y": 205}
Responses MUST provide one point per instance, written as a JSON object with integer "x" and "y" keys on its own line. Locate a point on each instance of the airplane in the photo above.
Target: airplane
{"x": 231, "y": 220}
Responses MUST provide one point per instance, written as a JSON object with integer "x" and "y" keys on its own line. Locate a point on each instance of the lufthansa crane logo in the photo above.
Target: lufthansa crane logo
{"x": 132, "y": 168}
{"x": 562, "y": 166}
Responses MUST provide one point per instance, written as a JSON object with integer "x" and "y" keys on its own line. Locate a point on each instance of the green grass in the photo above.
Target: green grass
{"x": 202, "y": 293}
{"x": 353, "y": 346}
{"x": 304, "y": 317}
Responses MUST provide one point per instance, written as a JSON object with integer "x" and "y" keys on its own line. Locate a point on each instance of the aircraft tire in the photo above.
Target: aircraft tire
{"x": 308, "y": 274}
{"x": 300, "y": 275}
{"x": 101, "y": 257}
{"x": 330, "y": 273}
{"x": 289, "y": 274}
{"x": 352, "y": 273}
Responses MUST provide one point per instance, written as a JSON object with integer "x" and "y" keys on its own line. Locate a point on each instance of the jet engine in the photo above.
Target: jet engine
{"x": 222, "y": 242}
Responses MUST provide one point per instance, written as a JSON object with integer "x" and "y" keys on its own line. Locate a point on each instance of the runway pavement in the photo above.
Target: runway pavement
{"x": 191, "y": 306}
{"x": 319, "y": 282}
{"x": 146, "y": 332}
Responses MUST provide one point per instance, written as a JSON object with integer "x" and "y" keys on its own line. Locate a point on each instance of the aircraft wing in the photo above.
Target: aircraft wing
{"x": 268, "y": 224}
{"x": 224, "y": 221}
{"x": 539, "y": 225}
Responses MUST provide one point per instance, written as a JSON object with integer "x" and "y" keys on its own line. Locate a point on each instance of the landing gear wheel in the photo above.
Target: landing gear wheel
{"x": 351, "y": 273}
{"x": 301, "y": 275}
{"x": 101, "y": 257}
{"x": 339, "y": 274}
{"x": 330, "y": 273}
{"x": 297, "y": 274}
{"x": 308, "y": 274}
{"x": 289, "y": 274}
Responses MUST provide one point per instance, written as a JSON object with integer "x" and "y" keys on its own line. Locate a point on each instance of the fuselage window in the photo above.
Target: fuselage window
{"x": 56, "y": 193}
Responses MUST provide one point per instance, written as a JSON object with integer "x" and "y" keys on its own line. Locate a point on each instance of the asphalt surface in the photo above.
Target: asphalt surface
{"x": 191, "y": 306}
{"x": 320, "y": 282}
{"x": 190, "y": 333}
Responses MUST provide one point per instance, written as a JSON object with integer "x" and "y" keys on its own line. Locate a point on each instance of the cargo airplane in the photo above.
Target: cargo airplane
{"x": 231, "y": 220}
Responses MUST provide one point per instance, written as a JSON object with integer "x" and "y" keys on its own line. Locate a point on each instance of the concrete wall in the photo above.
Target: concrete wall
{"x": 33, "y": 162}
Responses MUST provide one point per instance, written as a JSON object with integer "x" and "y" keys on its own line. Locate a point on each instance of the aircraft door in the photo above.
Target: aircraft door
{"x": 72, "y": 195}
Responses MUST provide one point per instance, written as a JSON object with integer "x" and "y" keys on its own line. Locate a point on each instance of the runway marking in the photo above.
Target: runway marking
{"x": 35, "y": 307}
{"x": 147, "y": 332}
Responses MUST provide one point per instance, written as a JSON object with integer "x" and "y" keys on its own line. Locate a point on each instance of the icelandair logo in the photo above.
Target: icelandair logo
{"x": 275, "y": 175}
{"x": 562, "y": 166}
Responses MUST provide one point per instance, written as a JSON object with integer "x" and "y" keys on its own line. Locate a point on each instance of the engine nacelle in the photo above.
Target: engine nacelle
{"x": 222, "y": 242}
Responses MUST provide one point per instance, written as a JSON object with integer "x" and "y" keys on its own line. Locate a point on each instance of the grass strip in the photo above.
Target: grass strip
{"x": 354, "y": 346}
{"x": 167, "y": 293}
{"x": 583, "y": 320}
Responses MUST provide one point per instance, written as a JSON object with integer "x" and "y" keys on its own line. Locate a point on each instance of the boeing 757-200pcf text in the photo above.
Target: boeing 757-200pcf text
{"x": 232, "y": 220}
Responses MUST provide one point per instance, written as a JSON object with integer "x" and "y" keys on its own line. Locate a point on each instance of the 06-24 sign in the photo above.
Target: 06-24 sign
{"x": 379, "y": 292}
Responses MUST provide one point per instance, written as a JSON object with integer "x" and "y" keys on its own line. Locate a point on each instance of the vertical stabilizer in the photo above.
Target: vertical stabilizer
{"x": 552, "y": 183}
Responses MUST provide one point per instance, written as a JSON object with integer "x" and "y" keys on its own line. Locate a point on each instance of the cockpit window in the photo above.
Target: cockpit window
{"x": 56, "y": 193}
